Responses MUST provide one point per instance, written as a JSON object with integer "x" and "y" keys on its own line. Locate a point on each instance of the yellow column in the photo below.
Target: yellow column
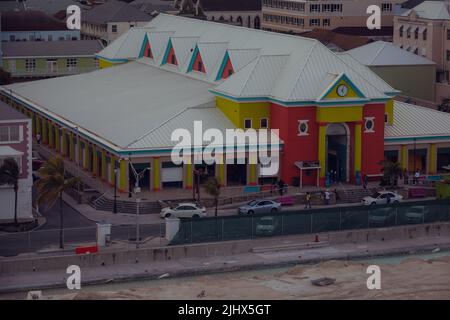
{"x": 80, "y": 151}
{"x": 322, "y": 147}
{"x": 95, "y": 161}
{"x": 404, "y": 157}
{"x": 57, "y": 140}
{"x": 123, "y": 177}
{"x": 253, "y": 174}
{"x": 50, "y": 135}
{"x": 188, "y": 182}
{"x": 220, "y": 171}
{"x": 44, "y": 131}
{"x": 112, "y": 162}
{"x": 432, "y": 159}
{"x": 104, "y": 169}
{"x": 33, "y": 121}
{"x": 64, "y": 142}
{"x": 357, "y": 159}
{"x": 71, "y": 147}
{"x": 86, "y": 155}
{"x": 156, "y": 173}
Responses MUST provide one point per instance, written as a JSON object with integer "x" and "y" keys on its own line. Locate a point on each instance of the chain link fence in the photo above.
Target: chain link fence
{"x": 311, "y": 221}
{"x": 48, "y": 241}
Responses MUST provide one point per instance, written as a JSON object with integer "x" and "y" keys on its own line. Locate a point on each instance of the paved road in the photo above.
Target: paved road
{"x": 77, "y": 229}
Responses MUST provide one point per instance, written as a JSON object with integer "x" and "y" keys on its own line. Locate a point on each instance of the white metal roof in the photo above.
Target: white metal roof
{"x": 434, "y": 10}
{"x": 119, "y": 104}
{"x": 382, "y": 53}
{"x": 416, "y": 121}
{"x": 7, "y": 151}
{"x": 307, "y": 66}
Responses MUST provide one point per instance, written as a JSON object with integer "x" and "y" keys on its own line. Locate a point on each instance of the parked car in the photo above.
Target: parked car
{"x": 184, "y": 210}
{"x": 380, "y": 216}
{"x": 416, "y": 214}
{"x": 266, "y": 226}
{"x": 260, "y": 206}
{"x": 381, "y": 198}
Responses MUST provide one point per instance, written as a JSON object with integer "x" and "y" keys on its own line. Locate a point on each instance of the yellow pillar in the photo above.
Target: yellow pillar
{"x": 64, "y": 142}
{"x": 357, "y": 150}
{"x": 188, "y": 183}
{"x": 57, "y": 140}
{"x": 80, "y": 151}
{"x": 86, "y": 155}
{"x": 123, "y": 176}
{"x": 156, "y": 173}
{"x": 71, "y": 147}
{"x": 33, "y": 121}
{"x": 50, "y": 135}
{"x": 220, "y": 171}
{"x": 44, "y": 131}
{"x": 253, "y": 174}
{"x": 404, "y": 157}
{"x": 322, "y": 147}
{"x": 95, "y": 161}
{"x": 432, "y": 159}
{"x": 104, "y": 169}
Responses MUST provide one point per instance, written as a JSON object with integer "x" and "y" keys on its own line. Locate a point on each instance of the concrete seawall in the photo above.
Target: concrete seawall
{"x": 111, "y": 256}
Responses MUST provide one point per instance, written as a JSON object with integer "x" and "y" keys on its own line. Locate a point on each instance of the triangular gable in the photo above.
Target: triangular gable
{"x": 196, "y": 62}
{"x": 169, "y": 55}
{"x": 146, "y": 50}
{"x": 226, "y": 68}
{"x": 342, "y": 88}
{"x": 158, "y": 43}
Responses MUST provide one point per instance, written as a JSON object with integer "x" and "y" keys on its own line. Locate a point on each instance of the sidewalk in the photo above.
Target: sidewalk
{"x": 215, "y": 264}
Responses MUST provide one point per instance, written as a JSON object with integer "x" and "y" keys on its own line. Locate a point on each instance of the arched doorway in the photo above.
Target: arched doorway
{"x": 337, "y": 152}
{"x": 257, "y": 22}
{"x": 239, "y": 21}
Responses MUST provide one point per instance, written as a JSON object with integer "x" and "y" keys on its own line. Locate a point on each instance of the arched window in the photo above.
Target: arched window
{"x": 231, "y": 18}
{"x": 257, "y": 22}
{"x": 249, "y": 22}
{"x": 239, "y": 21}
{"x": 212, "y": 18}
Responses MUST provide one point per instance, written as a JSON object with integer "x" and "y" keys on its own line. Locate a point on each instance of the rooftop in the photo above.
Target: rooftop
{"x": 114, "y": 11}
{"x": 342, "y": 41}
{"x": 8, "y": 113}
{"x": 433, "y": 10}
{"x": 51, "y": 48}
{"x": 29, "y": 21}
{"x": 231, "y": 5}
{"x": 382, "y": 53}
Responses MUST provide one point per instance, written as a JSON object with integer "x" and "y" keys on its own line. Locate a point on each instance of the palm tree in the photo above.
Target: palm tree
{"x": 51, "y": 185}
{"x": 9, "y": 174}
{"x": 212, "y": 187}
{"x": 391, "y": 170}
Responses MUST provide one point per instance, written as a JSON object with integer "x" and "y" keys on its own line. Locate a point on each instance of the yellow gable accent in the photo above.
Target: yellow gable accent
{"x": 237, "y": 112}
{"x": 333, "y": 93}
{"x": 339, "y": 114}
{"x": 389, "y": 110}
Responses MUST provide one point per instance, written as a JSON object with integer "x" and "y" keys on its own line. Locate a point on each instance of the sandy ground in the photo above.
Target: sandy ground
{"x": 412, "y": 278}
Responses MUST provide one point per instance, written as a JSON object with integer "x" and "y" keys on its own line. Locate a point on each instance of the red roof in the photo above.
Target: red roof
{"x": 30, "y": 21}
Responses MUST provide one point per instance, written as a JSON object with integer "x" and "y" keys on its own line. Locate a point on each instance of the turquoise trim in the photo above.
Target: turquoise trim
{"x": 111, "y": 60}
{"x": 144, "y": 44}
{"x": 411, "y": 139}
{"x": 297, "y": 103}
{"x": 222, "y": 66}
{"x": 166, "y": 53}
{"x": 194, "y": 56}
{"x": 351, "y": 84}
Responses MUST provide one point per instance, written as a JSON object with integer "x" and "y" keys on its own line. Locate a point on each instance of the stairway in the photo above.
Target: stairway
{"x": 354, "y": 195}
{"x": 106, "y": 204}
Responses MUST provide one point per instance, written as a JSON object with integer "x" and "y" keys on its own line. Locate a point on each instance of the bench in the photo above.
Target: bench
{"x": 252, "y": 189}
{"x": 286, "y": 201}
{"x": 417, "y": 193}
{"x": 86, "y": 250}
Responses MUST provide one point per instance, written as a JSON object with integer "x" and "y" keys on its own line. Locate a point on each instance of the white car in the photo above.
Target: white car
{"x": 184, "y": 210}
{"x": 381, "y": 197}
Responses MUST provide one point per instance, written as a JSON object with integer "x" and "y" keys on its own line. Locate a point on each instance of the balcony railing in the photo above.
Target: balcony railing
{"x": 44, "y": 72}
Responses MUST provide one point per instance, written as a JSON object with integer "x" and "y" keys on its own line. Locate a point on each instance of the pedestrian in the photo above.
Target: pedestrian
{"x": 38, "y": 138}
{"x": 308, "y": 201}
{"x": 365, "y": 181}
{"x": 280, "y": 187}
{"x": 327, "y": 197}
{"x": 416, "y": 176}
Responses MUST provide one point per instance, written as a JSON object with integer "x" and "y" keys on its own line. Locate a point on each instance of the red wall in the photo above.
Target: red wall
{"x": 169, "y": 57}
{"x": 147, "y": 49}
{"x": 227, "y": 69}
{"x": 373, "y": 143}
{"x": 198, "y": 59}
{"x": 296, "y": 148}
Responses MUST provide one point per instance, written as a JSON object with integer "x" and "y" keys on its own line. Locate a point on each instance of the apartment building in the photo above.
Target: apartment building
{"x": 297, "y": 16}
{"x": 425, "y": 31}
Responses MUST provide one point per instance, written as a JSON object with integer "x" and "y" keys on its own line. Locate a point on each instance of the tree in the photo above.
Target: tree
{"x": 391, "y": 171}
{"x": 212, "y": 187}
{"x": 9, "y": 174}
{"x": 51, "y": 185}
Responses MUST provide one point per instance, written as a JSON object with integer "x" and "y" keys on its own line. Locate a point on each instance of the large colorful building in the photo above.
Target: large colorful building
{"x": 334, "y": 115}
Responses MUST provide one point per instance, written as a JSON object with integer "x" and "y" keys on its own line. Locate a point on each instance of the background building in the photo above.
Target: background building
{"x": 39, "y": 59}
{"x": 15, "y": 142}
{"x": 425, "y": 31}
{"x": 400, "y": 68}
{"x": 296, "y": 16}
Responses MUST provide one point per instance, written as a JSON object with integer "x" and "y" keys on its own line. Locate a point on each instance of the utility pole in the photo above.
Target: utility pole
{"x": 138, "y": 201}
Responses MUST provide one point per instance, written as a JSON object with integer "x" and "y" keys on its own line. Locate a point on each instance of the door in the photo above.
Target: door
{"x": 52, "y": 66}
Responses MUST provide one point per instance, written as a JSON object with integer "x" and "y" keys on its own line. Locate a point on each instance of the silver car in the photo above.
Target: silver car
{"x": 260, "y": 206}
{"x": 184, "y": 210}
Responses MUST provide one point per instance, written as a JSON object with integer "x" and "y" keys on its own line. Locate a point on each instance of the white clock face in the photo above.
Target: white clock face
{"x": 342, "y": 90}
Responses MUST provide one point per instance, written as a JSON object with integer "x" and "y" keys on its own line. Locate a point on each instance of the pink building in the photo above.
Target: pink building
{"x": 15, "y": 142}
{"x": 425, "y": 31}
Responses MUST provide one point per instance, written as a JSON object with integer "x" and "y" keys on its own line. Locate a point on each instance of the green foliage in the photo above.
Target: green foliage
{"x": 391, "y": 171}
{"x": 9, "y": 175}
{"x": 212, "y": 187}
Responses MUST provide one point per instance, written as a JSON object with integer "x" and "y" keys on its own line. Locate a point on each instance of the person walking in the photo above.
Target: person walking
{"x": 308, "y": 201}
{"x": 416, "y": 176}
{"x": 281, "y": 187}
{"x": 327, "y": 197}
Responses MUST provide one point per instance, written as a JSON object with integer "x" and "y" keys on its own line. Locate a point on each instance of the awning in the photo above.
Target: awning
{"x": 7, "y": 151}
